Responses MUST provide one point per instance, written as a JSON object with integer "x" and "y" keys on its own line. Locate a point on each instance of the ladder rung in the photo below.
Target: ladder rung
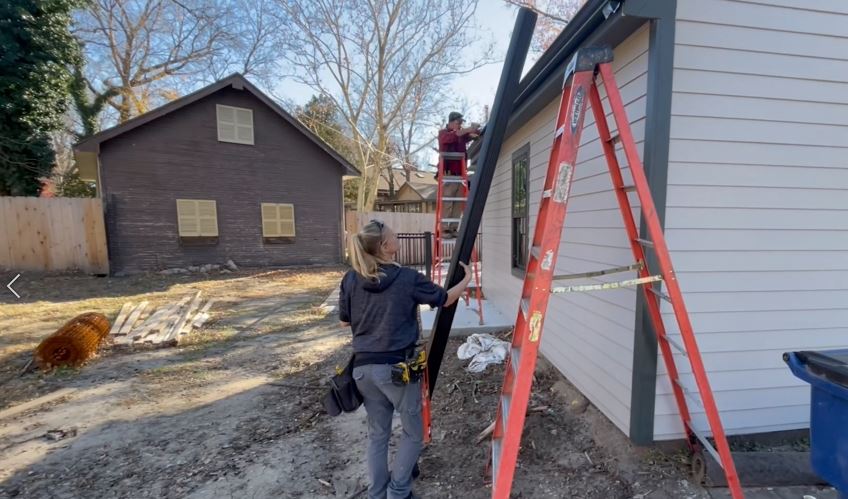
{"x": 496, "y": 458}
{"x": 547, "y": 193}
{"x": 614, "y": 138}
{"x": 691, "y": 396}
{"x": 451, "y": 220}
{"x": 606, "y": 285}
{"x": 453, "y": 180}
{"x": 525, "y": 308}
{"x": 659, "y": 294}
{"x": 677, "y": 346}
{"x": 455, "y": 199}
{"x": 707, "y": 445}
{"x": 629, "y": 188}
{"x": 452, "y": 155}
{"x": 596, "y": 273}
{"x": 505, "y": 403}
{"x": 645, "y": 242}
{"x": 515, "y": 358}
{"x": 536, "y": 252}
{"x": 559, "y": 131}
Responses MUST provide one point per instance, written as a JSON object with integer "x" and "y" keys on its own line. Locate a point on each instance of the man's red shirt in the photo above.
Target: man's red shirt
{"x": 449, "y": 141}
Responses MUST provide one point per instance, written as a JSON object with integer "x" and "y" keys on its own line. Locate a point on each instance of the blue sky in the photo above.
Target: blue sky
{"x": 495, "y": 20}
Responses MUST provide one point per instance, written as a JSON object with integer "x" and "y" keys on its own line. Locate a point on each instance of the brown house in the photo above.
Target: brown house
{"x": 412, "y": 197}
{"x": 223, "y": 173}
{"x": 413, "y": 192}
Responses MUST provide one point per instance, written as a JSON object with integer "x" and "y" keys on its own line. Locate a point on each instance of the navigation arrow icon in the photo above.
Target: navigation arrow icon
{"x": 10, "y": 287}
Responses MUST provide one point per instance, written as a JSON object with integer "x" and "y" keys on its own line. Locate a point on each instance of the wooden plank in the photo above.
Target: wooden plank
{"x": 153, "y": 323}
{"x": 122, "y": 316}
{"x": 168, "y": 322}
{"x": 5, "y": 228}
{"x": 95, "y": 237}
{"x": 173, "y": 334}
{"x": 202, "y": 316}
{"x": 186, "y": 326}
{"x": 15, "y": 410}
{"x": 131, "y": 320}
{"x": 61, "y": 235}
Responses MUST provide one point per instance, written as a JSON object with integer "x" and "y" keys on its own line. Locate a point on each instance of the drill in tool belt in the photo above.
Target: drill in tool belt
{"x": 410, "y": 371}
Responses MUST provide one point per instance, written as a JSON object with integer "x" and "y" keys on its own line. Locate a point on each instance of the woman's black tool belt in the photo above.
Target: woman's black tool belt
{"x": 393, "y": 357}
{"x": 343, "y": 395}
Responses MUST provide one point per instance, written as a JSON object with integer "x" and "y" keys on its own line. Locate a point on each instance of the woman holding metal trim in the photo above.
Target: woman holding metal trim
{"x": 379, "y": 300}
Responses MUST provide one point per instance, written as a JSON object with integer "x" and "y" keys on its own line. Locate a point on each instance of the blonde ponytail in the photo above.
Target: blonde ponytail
{"x": 364, "y": 251}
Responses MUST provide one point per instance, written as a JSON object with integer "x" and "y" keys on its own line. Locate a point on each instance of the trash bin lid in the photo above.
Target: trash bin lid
{"x": 832, "y": 364}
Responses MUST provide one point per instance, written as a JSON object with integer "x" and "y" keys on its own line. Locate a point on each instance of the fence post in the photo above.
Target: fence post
{"x": 428, "y": 253}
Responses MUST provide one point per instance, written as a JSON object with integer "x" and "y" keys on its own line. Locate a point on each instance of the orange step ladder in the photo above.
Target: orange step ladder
{"x": 440, "y": 253}
{"x": 580, "y": 88}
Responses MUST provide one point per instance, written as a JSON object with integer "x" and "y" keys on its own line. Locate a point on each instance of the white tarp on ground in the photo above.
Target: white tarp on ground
{"x": 483, "y": 350}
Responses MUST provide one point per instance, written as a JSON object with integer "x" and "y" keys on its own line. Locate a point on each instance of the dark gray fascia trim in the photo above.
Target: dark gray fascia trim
{"x": 661, "y": 14}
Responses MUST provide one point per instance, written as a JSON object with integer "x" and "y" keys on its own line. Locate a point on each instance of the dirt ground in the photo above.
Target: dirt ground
{"x": 236, "y": 412}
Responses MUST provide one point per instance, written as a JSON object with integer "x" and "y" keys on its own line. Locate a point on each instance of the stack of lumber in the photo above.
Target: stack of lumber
{"x": 166, "y": 326}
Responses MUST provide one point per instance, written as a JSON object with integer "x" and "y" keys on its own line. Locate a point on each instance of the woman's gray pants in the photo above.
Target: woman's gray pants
{"x": 382, "y": 398}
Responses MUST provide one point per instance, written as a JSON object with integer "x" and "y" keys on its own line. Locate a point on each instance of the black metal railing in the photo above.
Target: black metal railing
{"x": 416, "y": 250}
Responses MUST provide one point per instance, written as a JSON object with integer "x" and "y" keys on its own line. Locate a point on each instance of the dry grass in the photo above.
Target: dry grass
{"x": 48, "y": 300}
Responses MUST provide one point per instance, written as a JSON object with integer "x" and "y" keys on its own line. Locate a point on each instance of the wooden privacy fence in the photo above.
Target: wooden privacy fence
{"x": 53, "y": 234}
{"x": 399, "y": 222}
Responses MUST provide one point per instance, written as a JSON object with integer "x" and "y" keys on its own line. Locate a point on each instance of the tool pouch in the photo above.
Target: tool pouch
{"x": 400, "y": 374}
{"x": 343, "y": 395}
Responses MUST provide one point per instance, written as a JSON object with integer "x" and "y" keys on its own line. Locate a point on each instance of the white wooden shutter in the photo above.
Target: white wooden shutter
{"x": 235, "y": 124}
{"x": 197, "y": 218}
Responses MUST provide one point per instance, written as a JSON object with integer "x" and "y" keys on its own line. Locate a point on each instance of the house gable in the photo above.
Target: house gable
{"x": 86, "y": 152}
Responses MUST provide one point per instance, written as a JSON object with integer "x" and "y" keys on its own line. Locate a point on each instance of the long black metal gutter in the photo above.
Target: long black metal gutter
{"x": 489, "y": 152}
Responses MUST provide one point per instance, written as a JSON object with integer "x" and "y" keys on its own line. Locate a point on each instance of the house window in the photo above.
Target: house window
{"x": 277, "y": 220}
{"x": 197, "y": 218}
{"x": 520, "y": 208}
{"x": 235, "y": 124}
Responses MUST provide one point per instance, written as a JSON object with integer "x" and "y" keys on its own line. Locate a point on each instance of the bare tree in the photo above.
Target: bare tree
{"x": 133, "y": 46}
{"x": 374, "y": 58}
{"x": 251, "y": 41}
{"x": 553, "y": 16}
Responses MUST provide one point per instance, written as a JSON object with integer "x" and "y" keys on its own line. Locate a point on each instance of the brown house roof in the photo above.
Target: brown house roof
{"x": 419, "y": 177}
{"x": 426, "y": 191}
{"x": 237, "y": 81}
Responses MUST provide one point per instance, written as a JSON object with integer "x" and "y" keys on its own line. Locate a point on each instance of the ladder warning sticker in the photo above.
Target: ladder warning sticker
{"x": 577, "y": 108}
{"x": 563, "y": 182}
{"x": 547, "y": 260}
{"x": 535, "y": 326}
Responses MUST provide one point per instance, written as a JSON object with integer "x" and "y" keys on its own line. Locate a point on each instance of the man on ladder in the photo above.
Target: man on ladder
{"x": 454, "y": 139}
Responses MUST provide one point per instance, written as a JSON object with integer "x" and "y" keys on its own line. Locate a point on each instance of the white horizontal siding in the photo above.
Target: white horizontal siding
{"x": 756, "y": 216}
{"x": 588, "y": 337}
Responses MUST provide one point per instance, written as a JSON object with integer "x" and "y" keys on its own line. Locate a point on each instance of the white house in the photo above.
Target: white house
{"x": 741, "y": 113}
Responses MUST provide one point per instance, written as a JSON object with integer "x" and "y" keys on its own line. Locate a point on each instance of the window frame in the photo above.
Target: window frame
{"x": 235, "y": 124}
{"x": 520, "y": 215}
